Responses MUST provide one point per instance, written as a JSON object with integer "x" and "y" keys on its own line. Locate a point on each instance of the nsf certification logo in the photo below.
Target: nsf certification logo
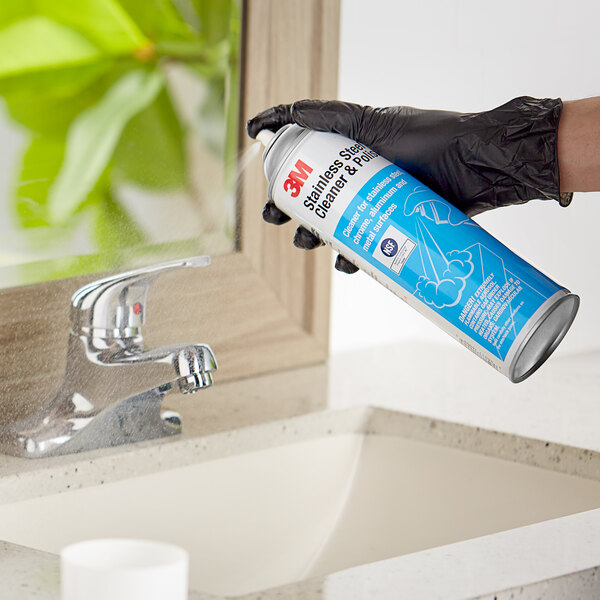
{"x": 394, "y": 249}
{"x": 389, "y": 247}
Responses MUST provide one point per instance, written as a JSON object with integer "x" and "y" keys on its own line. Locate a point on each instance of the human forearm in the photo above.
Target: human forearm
{"x": 579, "y": 146}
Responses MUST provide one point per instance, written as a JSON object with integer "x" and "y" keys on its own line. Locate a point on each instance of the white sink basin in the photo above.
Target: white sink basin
{"x": 269, "y": 517}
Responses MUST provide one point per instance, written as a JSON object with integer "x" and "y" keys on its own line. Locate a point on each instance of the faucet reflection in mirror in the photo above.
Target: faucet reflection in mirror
{"x": 113, "y": 386}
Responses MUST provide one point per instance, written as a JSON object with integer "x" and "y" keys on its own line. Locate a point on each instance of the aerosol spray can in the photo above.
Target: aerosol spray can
{"x": 420, "y": 247}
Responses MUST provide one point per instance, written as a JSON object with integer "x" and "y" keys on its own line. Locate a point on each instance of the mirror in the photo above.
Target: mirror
{"x": 118, "y": 134}
{"x": 262, "y": 307}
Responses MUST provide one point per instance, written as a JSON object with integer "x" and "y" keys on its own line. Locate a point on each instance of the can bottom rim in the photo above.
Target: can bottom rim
{"x": 544, "y": 337}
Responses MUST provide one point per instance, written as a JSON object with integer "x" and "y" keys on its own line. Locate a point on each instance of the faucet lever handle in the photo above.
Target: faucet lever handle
{"x": 115, "y": 306}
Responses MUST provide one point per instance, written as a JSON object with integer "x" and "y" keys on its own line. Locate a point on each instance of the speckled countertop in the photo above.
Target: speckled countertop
{"x": 551, "y": 421}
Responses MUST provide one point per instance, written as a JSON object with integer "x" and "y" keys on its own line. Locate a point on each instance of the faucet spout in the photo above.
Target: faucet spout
{"x": 135, "y": 369}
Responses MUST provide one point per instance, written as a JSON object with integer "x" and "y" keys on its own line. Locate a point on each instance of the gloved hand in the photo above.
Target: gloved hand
{"x": 476, "y": 161}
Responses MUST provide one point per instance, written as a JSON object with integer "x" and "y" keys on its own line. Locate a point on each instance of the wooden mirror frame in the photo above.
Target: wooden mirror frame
{"x": 262, "y": 308}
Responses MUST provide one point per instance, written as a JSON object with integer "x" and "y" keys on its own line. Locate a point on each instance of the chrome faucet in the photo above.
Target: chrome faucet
{"x": 113, "y": 387}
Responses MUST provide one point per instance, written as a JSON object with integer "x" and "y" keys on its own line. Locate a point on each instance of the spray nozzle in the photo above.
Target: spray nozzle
{"x": 265, "y": 136}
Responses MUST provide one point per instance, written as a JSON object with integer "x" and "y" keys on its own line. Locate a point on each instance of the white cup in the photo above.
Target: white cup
{"x": 122, "y": 569}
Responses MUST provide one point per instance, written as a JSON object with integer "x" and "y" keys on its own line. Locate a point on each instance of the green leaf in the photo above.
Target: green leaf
{"x": 158, "y": 19}
{"x": 114, "y": 229}
{"x": 151, "y": 151}
{"x": 63, "y": 103}
{"x": 104, "y": 22}
{"x": 61, "y": 81}
{"x": 11, "y": 10}
{"x": 92, "y": 139}
{"x": 215, "y": 19}
{"x": 209, "y": 61}
{"x": 40, "y": 166}
{"x": 39, "y": 43}
{"x": 41, "y": 163}
{"x": 63, "y": 98}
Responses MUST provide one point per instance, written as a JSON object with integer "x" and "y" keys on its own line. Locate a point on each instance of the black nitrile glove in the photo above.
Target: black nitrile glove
{"x": 476, "y": 161}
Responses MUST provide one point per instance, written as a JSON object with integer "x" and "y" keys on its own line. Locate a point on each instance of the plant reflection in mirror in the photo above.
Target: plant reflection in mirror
{"x": 127, "y": 113}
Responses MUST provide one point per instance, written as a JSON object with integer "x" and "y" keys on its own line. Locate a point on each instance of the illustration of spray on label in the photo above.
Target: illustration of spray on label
{"x": 419, "y": 246}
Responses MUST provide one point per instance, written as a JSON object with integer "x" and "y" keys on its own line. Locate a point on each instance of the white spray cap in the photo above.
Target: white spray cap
{"x": 265, "y": 136}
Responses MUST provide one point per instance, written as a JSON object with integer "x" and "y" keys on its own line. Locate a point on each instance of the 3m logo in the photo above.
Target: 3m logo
{"x": 296, "y": 179}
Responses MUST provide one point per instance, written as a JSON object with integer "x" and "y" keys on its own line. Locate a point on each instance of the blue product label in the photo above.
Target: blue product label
{"x": 443, "y": 258}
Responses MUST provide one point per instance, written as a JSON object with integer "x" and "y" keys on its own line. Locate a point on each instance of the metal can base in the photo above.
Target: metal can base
{"x": 544, "y": 336}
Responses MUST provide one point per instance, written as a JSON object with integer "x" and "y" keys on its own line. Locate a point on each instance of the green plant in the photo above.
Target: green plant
{"x": 88, "y": 81}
